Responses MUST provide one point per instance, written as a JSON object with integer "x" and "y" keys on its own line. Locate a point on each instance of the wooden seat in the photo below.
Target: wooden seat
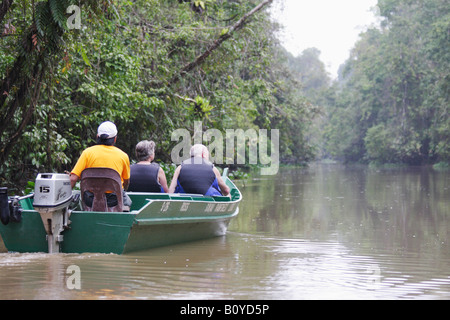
{"x": 100, "y": 181}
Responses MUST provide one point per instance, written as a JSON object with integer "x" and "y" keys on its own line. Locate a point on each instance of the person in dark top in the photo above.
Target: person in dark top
{"x": 199, "y": 176}
{"x": 147, "y": 176}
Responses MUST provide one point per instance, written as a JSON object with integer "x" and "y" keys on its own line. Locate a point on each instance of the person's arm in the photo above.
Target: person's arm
{"x": 73, "y": 179}
{"x": 173, "y": 183}
{"x": 162, "y": 180}
{"x": 126, "y": 183}
{"x": 81, "y": 164}
{"x": 222, "y": 185}
{"x": 126, "y": 173}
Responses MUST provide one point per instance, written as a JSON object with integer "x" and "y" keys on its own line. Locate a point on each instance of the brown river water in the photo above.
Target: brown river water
{"x": 325, "y": 232}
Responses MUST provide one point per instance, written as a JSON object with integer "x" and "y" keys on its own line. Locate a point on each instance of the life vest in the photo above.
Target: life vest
{"x": 144, "y": 178}
{"x": 197, "y": 177}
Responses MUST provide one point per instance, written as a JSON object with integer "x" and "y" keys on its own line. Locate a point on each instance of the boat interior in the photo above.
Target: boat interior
{"x": 139, "y": 199}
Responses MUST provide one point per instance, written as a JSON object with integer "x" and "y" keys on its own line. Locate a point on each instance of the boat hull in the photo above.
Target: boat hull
{"x": 151, "y": 236}
{"x": 160, "y": 220}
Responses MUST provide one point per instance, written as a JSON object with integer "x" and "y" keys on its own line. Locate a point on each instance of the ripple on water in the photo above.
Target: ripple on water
{"x": 238, "y": 266}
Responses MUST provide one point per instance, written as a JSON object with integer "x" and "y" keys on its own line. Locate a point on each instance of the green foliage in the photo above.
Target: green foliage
{"x": 36, "y": 38}
{"x": 380, "y": 145}
{"x": 169, "y": 170}
{"x": 393, "y": 94}
{"x": 119, "y": 67}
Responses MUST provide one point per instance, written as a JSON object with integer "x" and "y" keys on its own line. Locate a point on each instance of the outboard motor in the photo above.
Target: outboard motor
{"x": 52, "y": 198}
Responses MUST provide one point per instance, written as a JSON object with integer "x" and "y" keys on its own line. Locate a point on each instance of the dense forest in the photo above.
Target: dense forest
{"x": 149, "y": 66}
{"x": 391, "y": 101}
{"x": 154, "y": 66}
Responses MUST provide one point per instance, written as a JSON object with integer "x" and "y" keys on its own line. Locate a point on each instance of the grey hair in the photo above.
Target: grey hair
{"x": 145, "y": 149}
{"x": 197, "y": 150}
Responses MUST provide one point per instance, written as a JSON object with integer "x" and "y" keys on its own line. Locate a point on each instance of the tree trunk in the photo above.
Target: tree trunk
{"x": 4, "y": 7}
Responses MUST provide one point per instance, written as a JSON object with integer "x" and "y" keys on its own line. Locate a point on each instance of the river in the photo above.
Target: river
{"x": 324, "y": 232}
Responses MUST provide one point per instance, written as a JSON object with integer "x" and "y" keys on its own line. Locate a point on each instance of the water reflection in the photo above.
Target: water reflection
{"x": 326, "y": 232}
{"x": 397, "y": 209}
{"x": 394, "y": 220}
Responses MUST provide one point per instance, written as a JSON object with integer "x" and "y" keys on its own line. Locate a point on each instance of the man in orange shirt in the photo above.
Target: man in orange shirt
{"x": 105, "y": 155}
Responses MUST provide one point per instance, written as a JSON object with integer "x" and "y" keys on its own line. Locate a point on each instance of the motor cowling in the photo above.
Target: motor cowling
{"x": 52, "y": 198}
{"x": 52, "y": 190}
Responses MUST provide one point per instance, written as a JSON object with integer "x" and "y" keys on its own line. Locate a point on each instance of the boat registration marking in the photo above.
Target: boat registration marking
{"x": 165, "y": 206}
{"x": 210, "y": 207}
{"x": 184, "y": 206}
{"x": 221, "y": 207}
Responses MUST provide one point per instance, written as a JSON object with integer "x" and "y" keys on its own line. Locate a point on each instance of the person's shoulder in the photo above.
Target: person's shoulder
{"x": 120, "y": 151}
{"x": 94, "y": 147}
{"x": 91, "y": 149}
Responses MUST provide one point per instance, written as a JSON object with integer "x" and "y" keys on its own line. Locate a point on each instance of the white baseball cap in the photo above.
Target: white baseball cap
{"x": 108, "y": 128}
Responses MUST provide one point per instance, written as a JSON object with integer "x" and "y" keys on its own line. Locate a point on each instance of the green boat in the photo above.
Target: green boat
{"x": 154, "y": 220}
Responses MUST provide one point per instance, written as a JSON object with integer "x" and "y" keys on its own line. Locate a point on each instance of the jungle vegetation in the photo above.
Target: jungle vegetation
{"x": 391, "y": 101}
{"x": 149, "y": 66}
{"x": 153, "y": 66}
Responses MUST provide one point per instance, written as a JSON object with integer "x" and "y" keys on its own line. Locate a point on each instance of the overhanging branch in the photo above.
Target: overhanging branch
{"x": 225, "y": 36}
